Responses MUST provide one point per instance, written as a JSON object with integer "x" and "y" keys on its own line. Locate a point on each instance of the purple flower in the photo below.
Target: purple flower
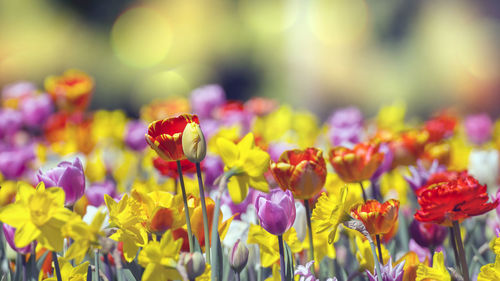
{"x": 478, "y": 128}
{"x": 419, "y": 175}
{"x": 386, "y": 164}
{"x": 428, "y": 235}
{"x": 14, "y": 160}
{"x": 388, "y": 272}
{"x": 95, "y": 193}
{"x": 305, "y": 273}
{"x": 275, "y": 149}
{"x": 36, "y": 109}
{"x": 205, "y": 99}
{"x": 213, "y": 167}
{"x": 10, "y": 122}
{"x": 68, "y": 176}
{"x": 242, "y": 207}
{"x": 9, "y": 233}
{"x": 346, "y": 126}
{"x": 239, "y": 256}
{"x": 276, "y": 210}
{"x": 134, "y": 135}
{"x": 18, "y": 90}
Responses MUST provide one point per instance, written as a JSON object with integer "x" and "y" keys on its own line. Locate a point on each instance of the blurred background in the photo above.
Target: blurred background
{"x": 316, "y": 55}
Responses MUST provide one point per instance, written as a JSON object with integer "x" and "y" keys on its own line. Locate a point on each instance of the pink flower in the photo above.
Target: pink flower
{"x": 276, "y": 211}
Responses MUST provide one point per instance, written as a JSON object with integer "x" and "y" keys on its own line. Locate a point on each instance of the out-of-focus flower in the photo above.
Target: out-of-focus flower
{"x": 238, "y": 257}
{"x": 161, "y": 109}
{"x": 478, "y": 128}
{"x": 160, "y": 258}
{"x": 411, "y": 263}
{"x": 378, "y": 218}
{"x": 234, "y": 113}
{"x": 134, "y": 135}
{"x": 70, "y": 91}
{"x": 484, "y": 166}
{"x": 260, "y": 106}
{"x": 14, "y": 160}
{"x": 14, "y": 94}
{"x": 7, "y": 192}
{"x": 490, "y": 271}
{"x": 206, "y": 99}
{"x": 10, "y": 122}
{"x": 357, "y": 164}
{"x": 38, "y": 214}
{"x": 419, "y": 174}
{"x": 386, "y": 164}
{"x": 453, "y": 200}
{"x": 408, "y": 147}
{"x": 165, "y": 136}
{"x": 391, "y": 117}
{"x": 242, "y": 207}
{"x": 212, "y": 167}
{"x": 436, "y": 272}
{"x": 301, "y": 171}
{"x": 364, "y": 254}
{"x": 249, "y": 164}
{"x": 428, "y": 235}
{"x": 169, "y": 168}
{"x": 276, "y": 211}
{"x": 305, "y": 274}
{"x": 36, "y": 110}
{"x": 193, "y": 143}
{"x": 276, "y": 149}
{"x": 440, "y": 127}
{"x": 191, "y": 265}
{"x": 68, "y": 272}
{"x": 388, "y": 272}
{"x": 69, "y": 176}
{"x": 9, "y": 233}
{"x": 95, "y": 193}
{"x": 346, "y": 126}
{"x": 440, "y": 151}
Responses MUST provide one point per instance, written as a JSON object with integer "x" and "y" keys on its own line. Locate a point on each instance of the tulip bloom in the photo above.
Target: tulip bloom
{"x": 457, "y": 197}
{"x": 68, "y": 176}
{"x": 378, "y": 218}
{"x": 165, "y": 136}
{"x": 357, "y": 164}
{"x": 428, "y": 235}
{"x": 70, "y": 91}
{"x": 301, "y": 171}
{"x": 276, "y": 211}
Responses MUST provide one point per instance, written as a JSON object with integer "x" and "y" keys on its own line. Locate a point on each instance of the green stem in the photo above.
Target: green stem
{"x": 282, "y": 257}
{"x": 461, "y": 251}
{"x": 96, "y": 261}
{"x": 237, "y": 276}
{"x": 204, "y": 210}
{"x": 309, "y": 228}
{"x": 363, "y": 190}
{"x": 377, "y": 264}
{"x": 57, "y": 270}
{"x": 379, "y": 246}
{"x": 186, "y": 207}
{"x": 454, "y": 246}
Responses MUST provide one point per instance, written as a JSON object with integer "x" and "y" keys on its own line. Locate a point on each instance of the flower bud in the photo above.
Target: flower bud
{"x": 193, "y": 143}
{"x": 191, "y": 265}
{"x": 239, "y": 256}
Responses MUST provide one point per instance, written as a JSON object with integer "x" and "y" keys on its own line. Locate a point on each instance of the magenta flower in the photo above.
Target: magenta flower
{"x": 212, "y": 167}
{"x": 276, "y": 210}
{"x": 68, "y": 176}
{"x": 346, "y": 126}
{"x": 18, "y": 90}
{"x": 10, "y": 122}
{"x": 420, "y": 175}
{"x": 9, "y": 232}
{"x": 205, "y": 99}
{"x": 428, "y": 235}
{"x": 36, "y": 110}
{"x": 134, "y": 135}
{"x": 14, "y": 160}
{"x": 95, "y": 193}
{"x": 478, "y": 128}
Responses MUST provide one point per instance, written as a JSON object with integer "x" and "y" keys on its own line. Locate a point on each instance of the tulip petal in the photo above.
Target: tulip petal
{"x": 272, "y": 217}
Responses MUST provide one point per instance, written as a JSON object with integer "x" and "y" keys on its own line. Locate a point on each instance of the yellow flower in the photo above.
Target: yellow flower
{"x": 70, "y": 273}
{"x": 394, "y": 185}
{"x": 392, "y": 117}
{"x": 160, "y": 258}
{"x": 125, "y": 215}
{"x": 459, "y": 156}
{"x": 276, "y": 276}
{"x": 365, "y": 257}
{"x": 437, "y": 272}
{"x": 108, "y": 126}
{"x": 7, "y": 192}
{"x": 490, "y": 271}
{"x": 250, "y": 164}
{"x": 321, "y": 246}
{"x": 84, "y": 235}
{"x": 268, "y": 243}
{"x": 38, "y": 214}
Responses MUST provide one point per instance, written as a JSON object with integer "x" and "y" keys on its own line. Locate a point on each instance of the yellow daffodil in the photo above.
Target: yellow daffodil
{"x": 364, "y": 254}
{"x": 490, "y": 271}
{"x": 70, "y": 273}
{"x": 268, "y": 243}
{"x": 394, "y": 185}
{"x": 125, "y": 215}
{"x": 276, "y": 273}
{"x": 7, "y": 192}
{"x": 248, "y": 161}
{"x": 437, "y": 272}
{"x": 84, "y": 236}
{"x": 322, "y": 248}
{"x": 38, "y": 214}
{"x": 108, "y": 125}
{"x": 459, "y": 156}
{"x": 495, "y": 245}
{"x": 392, "y": 117}
{"x": 160, "y": 258}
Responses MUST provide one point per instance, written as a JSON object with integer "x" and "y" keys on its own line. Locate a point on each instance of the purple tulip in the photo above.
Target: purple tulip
{"x": 95, "y": 193}
{"x": 36, "y": 109}
{"x": 205, "y": 99}
{"x": 9, "y": 233}
{"x": 68, "y": 176}
{"x": 388, "y": 272}
{"x": 428, "y": 235}
{"x": 346, "y": 126}
{"x": 478, "y": 128}
{"x": 10, "y": 122}
{"x": 134, "y": 135}
{"x": 14, "y": 160}
{"x": 276, "y": 211}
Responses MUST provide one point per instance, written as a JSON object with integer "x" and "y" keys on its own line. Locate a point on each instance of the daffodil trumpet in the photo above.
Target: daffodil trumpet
{"x": 461, "y": 251}
{"x": 204, "y": 210}
{"x": 186, "y": 207}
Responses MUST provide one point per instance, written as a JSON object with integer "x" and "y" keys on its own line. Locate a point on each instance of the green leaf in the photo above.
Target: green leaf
{"x": 41, "y": 260}
{"x": 288, "y": 262}
{"x": 127, "y": 275}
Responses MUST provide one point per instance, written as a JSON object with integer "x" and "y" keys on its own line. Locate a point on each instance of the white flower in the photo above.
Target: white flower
{"x": 483, "y": 165}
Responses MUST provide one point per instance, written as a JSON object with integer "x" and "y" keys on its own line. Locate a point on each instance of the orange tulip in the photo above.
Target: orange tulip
{"x": 70, "y": 91}
{"x": 378, "y": 218}
{"x": 301, "y": 171}
{"x": 357, "y": 164}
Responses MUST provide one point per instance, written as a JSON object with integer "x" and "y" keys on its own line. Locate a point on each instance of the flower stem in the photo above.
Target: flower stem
{"x": 186, "y": 208}
{"x": 57, "y": 270}
{"x": 363, "y": 190}
{"x": 282, "y": 257}
{"x": 237, "y": 276}
{"x": 309, "y": 228}
{"x": 96, "y": 261}
{"x": 377, "y": 264}
{"x": 204, "y": 210}
{"x": 454, "y": 246}
{"x": 461, "y": 251}
{"x": 380, "y": 257}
